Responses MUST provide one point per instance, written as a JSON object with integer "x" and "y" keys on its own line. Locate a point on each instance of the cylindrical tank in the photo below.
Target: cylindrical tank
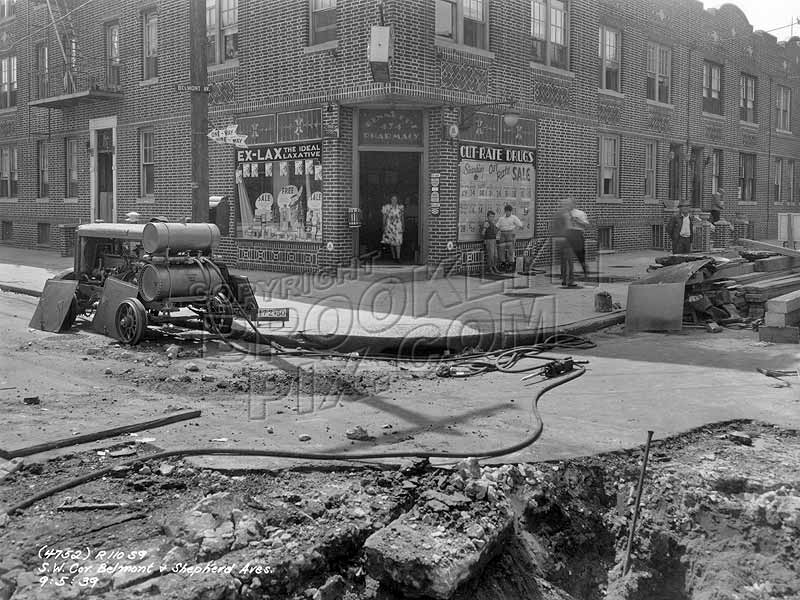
{"x": 157, "y": 282}
{"x": 157, "y": 237}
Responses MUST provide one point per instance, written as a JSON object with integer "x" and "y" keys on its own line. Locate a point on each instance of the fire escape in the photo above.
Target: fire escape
{"x": 73, "y": 78}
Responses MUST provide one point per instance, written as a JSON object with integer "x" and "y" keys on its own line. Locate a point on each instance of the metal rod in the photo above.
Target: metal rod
{"x": 627, "y": 563}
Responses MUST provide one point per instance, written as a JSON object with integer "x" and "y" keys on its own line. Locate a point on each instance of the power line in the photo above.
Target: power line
{"x": 53, "y": 22}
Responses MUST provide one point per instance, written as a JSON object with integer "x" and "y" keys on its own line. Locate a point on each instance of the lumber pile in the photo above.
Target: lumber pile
{"x": 759, "y": 287}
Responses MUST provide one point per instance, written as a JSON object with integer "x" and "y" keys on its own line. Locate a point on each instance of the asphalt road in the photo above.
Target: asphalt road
{"x": 667, "y": 383}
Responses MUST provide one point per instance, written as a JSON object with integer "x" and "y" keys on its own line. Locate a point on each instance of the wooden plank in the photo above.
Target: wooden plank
{"x": 771, "y": 284}
{"x": 782, "y": 319}
{"x": 779, "y": 335}
{"x": 726, "y": 272}
{"x": 771, "y": 247}
{"x": 774, "y": 263}
{"x": 100, "y": 435}
{"x": 785, "y": 304}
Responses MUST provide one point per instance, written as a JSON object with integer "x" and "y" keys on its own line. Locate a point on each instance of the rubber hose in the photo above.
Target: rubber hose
{"x": 537, "y": 432}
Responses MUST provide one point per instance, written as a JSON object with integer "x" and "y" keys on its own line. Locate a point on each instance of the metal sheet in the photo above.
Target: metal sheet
{"x": 54, "y": 305}
{"x": 656, "y": 307}
{"x": 114, "y": 292}
{"x": 679, "y": 273}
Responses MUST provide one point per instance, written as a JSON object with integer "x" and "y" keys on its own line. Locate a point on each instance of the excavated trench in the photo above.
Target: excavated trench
{"x": 720, "y": 515}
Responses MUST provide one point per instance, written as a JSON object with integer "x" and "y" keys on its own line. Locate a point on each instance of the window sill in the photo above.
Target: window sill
{"x": 714, "y": 116}
{"x": 146, "y": 200}
{"x": 747, "y": 203}
{"x": 148, "y": 82}
{"x": 9, "y": 200}
{"x": 783, "y": 132}
{"x": 9, "y": 110}
{"x": 443, "y": 43}
{"x": 748, "y": 124}
{"x": 611, "y": 93}
{"x": 609, "y": 200}
{"x": 228, "y": 64}
{"x": 323, "y": 47}
{"x": 552, "y": 70}
{"x": 73, "y": 200}
{"x": 42, "y": 200}
{"x": 659, "y": 104}
{"x": 653, "y": 202}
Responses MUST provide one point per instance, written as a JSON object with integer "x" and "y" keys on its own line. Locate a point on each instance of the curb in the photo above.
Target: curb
{"x": 19, "y": 290}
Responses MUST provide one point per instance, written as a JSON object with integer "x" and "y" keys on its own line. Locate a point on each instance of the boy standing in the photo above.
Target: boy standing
{"x": 507, "y": 225}
{"x": 490, "y": 242}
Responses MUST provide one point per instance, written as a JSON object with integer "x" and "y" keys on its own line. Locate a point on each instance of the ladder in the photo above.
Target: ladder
{"x": 65, "y": 34}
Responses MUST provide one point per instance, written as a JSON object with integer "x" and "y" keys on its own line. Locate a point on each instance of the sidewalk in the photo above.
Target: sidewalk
{"x": 392, "y": 306}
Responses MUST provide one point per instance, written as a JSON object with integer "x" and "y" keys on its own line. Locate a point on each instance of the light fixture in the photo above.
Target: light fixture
{"x": 468, "y": 111}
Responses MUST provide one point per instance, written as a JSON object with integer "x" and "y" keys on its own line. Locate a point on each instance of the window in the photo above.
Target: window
{"x": 71, "y": 174}
{"x": 712, "y": 88}
{"x": 609, "y": 52}
{"x": 657, "y": 236}
{"x": 8, "y": 82}
{"x": 42, "y": 69}
{"x": 747, "y": 177}
{"x": 8, "y": 172}
{"x": 609, "y": 166}
{"x": 7, "y": 231}
{"x": 323, "y": 21}
{"x": 716, "y": 170}
{"x": 150, "y": 45}
{"x": 791, "y": 182}
{"x": 43, "y": 234}
{"x": 112, "y": 56}
{"x": 463, "y": 22}
{"x": 44, "y": 174}
{"x": 71, "y": 65}
{"x": 605, "y": 238}
{"x": 778, "y": 179}
{"x": 659, "y": 67}
{"x": 222, "y": 18}
{"x": 650, "y": 154}
{"x": 549, "y": 33}
{"x": 147, "y": 183}
{"x": 747, "y": 98}
{"x": 7, "y": 8}
{"x": 783, "y": 106}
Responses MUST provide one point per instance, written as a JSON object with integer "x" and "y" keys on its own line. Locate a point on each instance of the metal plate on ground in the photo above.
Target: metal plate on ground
{"x": 114, "y": 292}
{"x": 654, "y": 307}
{"x": 54, "y": 305}
{"x": 673, "y": 273}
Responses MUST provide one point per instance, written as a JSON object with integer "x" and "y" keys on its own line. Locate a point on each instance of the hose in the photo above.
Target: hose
{"x": 529, "y": 440}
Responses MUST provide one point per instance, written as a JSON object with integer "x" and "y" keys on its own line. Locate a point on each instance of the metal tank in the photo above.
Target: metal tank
{"x": 157, "y": 237}
{"x": 159, "y": 282}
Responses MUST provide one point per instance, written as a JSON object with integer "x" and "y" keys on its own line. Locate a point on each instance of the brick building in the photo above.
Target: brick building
{"x": 629, "y": 106}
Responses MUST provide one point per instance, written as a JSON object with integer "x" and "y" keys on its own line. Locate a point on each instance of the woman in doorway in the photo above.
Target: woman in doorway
{"x": 393, "y": 226}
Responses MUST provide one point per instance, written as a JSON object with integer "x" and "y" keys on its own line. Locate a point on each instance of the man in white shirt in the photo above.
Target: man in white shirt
{"x": 575, "y": 232}
{"x": 680, "y": 230}
{"x": 507, "y": 225}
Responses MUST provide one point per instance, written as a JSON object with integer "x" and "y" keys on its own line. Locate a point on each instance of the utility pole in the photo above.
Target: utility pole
{"x": 198, "y": 77}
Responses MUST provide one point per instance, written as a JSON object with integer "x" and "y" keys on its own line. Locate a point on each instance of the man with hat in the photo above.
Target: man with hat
{"x": 680, "y": 230}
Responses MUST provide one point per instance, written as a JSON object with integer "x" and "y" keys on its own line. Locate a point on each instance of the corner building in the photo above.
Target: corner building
{"x": 629, "y": 106}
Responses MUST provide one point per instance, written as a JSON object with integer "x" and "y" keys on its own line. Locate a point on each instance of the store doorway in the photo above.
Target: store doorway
{"x": 381, "y": 175}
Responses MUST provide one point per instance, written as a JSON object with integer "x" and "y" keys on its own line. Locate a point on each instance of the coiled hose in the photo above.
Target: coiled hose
{"x": 529, "y": 440}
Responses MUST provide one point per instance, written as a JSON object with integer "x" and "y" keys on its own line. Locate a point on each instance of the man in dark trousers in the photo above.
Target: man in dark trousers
{"x": 559, "y": 230}
{"x": 680, "y": 230}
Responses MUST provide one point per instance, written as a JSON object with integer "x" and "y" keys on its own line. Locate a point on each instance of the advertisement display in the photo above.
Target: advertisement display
{"x": 502, "y": 176}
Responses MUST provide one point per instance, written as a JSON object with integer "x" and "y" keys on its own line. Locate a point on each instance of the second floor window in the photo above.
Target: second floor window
{"x": 42, "y": 68}
{"x": 8, "y": 172}
{"x": 608, "y": 167}
{"x": 463, "y": 21}
{"x": 147, "y": 165}
{"x": 222, "y": 17}
{"x": 747, "y": 98}
{"x": 44, "y": 172}
{"x": 8, "y": 82}
{"x": 609, "y": 53}
{"x": 783, "y": 106}
{"x": 659, "y": 68}
{"x": 323, "y": 21}
{"x": 112, "y": 56}
{"x": 747, "y": 177}
{"x": 8, "y": 8}
{"x": 549, "y": 33}
{"x": 72, "y": 168}
{"x": 150, "y": 45}
{"x": 712, "y": 88}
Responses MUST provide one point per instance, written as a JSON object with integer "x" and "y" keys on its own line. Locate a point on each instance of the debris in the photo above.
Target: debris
{"x": 712, "y": 327}
{"x": 89, "y": 506}
{"x": 162, "y": 364}
{"x": 208, "y": 378}
{"x": 740, "y": 437}
{"x": 304, "y": 437}
{"x": 358, "y": 433}
{"x": 166, "y": 468}
{"x": 173, "y": 351}
{"x": 120, "y": 470}
{"x": 31, "y": 400}
{"x": 332, "y": 589}
{"x": 469, "y": 468}
{"x": 222, "y": 439}
{"x": 192, "y": 367}
{"x": 414, "y": 466}
{"x": 93, "y": 351}
{"x": 108, "y": 371}
{"x": 122, "y": 452}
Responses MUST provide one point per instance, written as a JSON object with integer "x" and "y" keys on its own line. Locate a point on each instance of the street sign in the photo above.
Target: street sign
{"x": 185, "y": 87}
